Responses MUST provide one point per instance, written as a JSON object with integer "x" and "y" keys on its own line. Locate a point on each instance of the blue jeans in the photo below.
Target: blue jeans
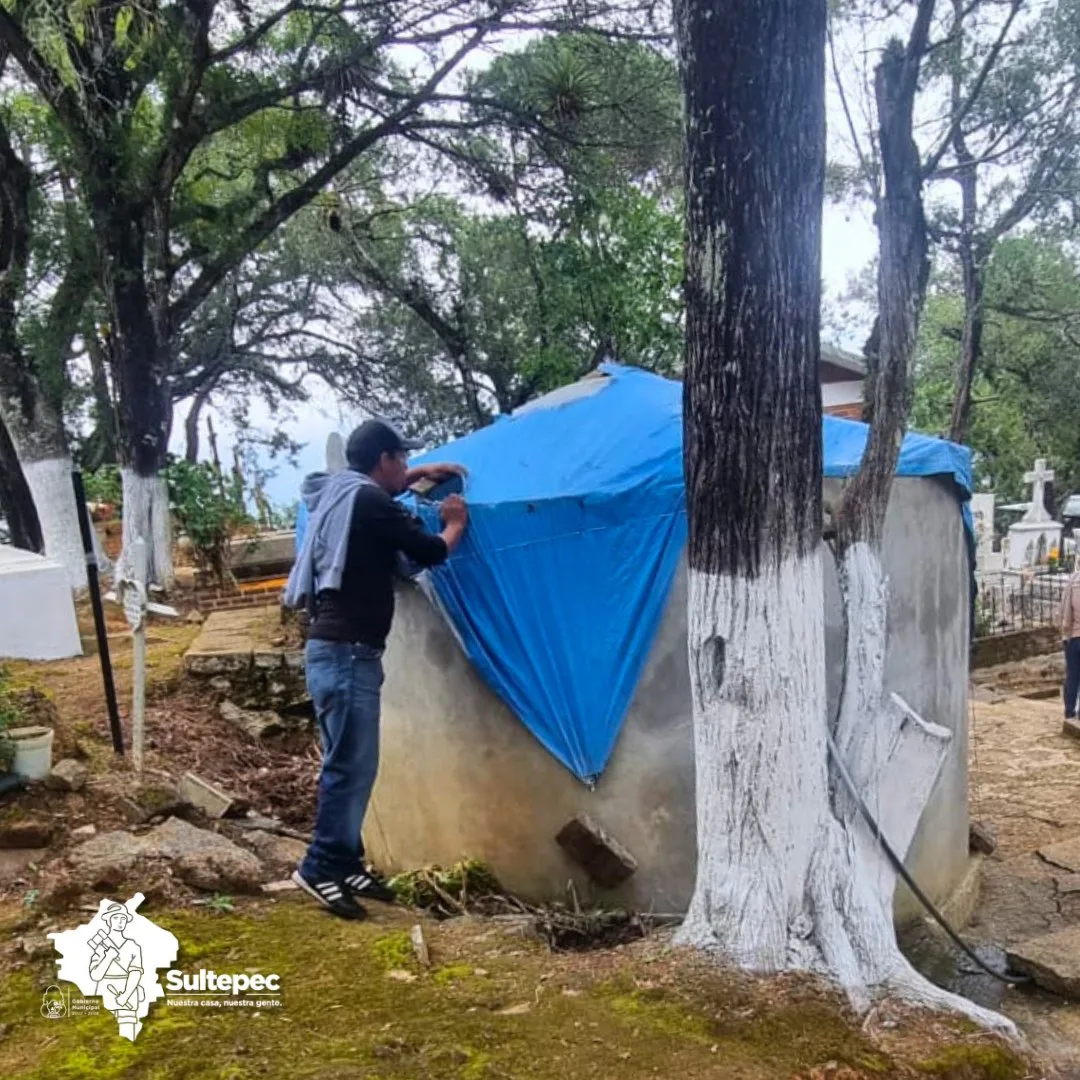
{"x": 344, "y": 681}
{"x": 1072, "y": 676}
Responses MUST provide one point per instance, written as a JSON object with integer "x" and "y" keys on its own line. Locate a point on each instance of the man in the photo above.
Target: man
{"x": 357, "y": 538}
{"x": 1070, "y": 637}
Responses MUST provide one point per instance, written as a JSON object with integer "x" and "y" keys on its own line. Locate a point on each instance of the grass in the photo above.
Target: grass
{"x": 493, "y": 1007}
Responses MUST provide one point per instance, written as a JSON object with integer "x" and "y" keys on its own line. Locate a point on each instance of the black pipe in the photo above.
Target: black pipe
{"x": 99, "y": 614}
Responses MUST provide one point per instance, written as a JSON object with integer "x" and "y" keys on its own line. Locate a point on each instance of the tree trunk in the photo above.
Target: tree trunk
{"x": 16, "y": 501}
{"x": 33, "y": 421}
{"x": 755, "y": 151}
{"x": 971, "y": 264}
{"x": 103, "y": 439}
{"x": 788, "y": 876}
{"x": 139, "y": 354}
{"x": 191, "y": 426}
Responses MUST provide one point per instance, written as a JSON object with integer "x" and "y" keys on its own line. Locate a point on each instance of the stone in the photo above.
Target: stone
{"x": 285, "y": 885}
{"x": 600, "y": 855}
{"x": 106, "y": 860}
{"x": 67, "y": 775}
{"x": 1070, "y": 727}
{"x": 1068, "y": 884}
{"x": 220, "y": 684}
{"x": 26, "y": 834}
{"x": 14, "y": 862}
{"x": 195, "y": 617}
{"x": 84, "y": 832}
{"x": 982, "y": 838}
{"x": 1065, "y": 853}
{"x": 202, "y": 859}
{"x": 258, "y": 723}
{"x": 211, "y": 800}
{"x": 279, "y": 853}
{"x": 269, "y": 661}
{"x": 1052, "y": 961}
{"x": 210, "y": 663}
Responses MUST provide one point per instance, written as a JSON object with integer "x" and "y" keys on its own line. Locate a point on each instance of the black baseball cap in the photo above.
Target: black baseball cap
{"x": 371, "y": 440}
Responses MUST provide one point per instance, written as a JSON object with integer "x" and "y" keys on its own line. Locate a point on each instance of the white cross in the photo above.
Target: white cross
{"x": 1038, "y": 478}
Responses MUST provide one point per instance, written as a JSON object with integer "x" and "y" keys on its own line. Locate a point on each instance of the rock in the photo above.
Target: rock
{"x": 220, "y": 685}
{"x": 195, "y": 617}
{"x": 1053, "y": 961}
{"x": 279, "y": 853}
{"x": 602, "y": 857}
{"x": 211, "y": 800}
{"x": 26, "y": 834}
{"x": 1065, "y": 853}
{"x": 206, "y": 860}
{"x": 1068, "y": 884}
{"x": 257, "y": 723}
{"x": 982, "y": 838}
{"x": 285, "y": 885}
{"x": 14, "y": 862}
{"x": 84, "y": 832}
{"x": 60, "y": 894}
{"x": 67, "y": 775}
{"x": 200, "y": 858}
{"x": 106, "y": 861}
{"x": 420, "y": 946}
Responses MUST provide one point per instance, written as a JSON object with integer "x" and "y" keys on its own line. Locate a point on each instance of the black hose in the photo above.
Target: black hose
{"x": 894, "y": 859}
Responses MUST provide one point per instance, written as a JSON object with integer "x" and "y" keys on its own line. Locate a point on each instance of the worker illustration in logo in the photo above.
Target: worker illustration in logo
{"x": 116, "y": 965}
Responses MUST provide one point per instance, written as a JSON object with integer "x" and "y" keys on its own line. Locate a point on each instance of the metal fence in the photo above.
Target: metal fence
{"x": 1007, "y": 602}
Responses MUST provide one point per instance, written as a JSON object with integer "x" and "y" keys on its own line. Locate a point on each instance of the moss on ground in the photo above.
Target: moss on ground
{"x": 524, "y": 1015}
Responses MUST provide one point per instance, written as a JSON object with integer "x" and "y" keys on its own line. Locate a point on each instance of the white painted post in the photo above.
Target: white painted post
{"x": 136, "y": 614}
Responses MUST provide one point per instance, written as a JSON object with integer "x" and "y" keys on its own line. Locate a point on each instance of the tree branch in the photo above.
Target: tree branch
{"x": 60, "y": 98}
{"x": 960, "y": 114}
{"x": 300, "y": 196}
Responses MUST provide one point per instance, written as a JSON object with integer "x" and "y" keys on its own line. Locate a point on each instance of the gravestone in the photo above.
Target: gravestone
{"x": 1036, "y": 534}
{"x": 987, "y": 560}
{"x": 38, "y": 609}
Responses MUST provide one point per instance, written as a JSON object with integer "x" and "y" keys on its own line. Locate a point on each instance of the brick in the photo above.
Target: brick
{"x": 599, "y": 854}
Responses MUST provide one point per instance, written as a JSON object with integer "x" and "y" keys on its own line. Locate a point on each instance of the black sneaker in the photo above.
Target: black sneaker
{"x": 335, "y": 896}
{"x": 366, "y": 883}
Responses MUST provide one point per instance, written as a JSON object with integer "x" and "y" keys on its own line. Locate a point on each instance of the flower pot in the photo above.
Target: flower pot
{"x": 33, "y": 751}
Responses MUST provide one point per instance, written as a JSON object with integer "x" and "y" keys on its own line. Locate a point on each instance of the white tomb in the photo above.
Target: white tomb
{"x": 37, "y": 608}
{"x": 1036, "y": 534}
{"x": 987, "y": 560}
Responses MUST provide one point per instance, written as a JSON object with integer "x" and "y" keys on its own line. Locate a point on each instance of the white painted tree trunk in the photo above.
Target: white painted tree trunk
{"x": 789, "y": 874}
{"x": 50, "y": 484}
{"x": 757, "y": 673}
{"x": 146, "y": 514}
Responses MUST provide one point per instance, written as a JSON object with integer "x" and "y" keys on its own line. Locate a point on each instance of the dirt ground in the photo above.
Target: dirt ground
{"x": 494, "y": 1003}
{"x": 1025, "y": 784}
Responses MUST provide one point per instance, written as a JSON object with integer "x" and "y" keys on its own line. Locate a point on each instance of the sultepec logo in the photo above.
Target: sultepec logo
{"x": 116, "y": 956}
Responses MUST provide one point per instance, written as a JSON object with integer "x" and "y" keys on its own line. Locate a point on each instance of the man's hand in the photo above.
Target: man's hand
{"x": 455, "y": 515}
{"x": 453, "y": 510}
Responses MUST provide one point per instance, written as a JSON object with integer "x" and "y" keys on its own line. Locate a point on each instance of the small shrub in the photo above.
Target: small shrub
{"x": 209, "y": 509}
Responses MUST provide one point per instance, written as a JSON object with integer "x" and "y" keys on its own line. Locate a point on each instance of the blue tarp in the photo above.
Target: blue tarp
{"x": 577, "y": 522}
